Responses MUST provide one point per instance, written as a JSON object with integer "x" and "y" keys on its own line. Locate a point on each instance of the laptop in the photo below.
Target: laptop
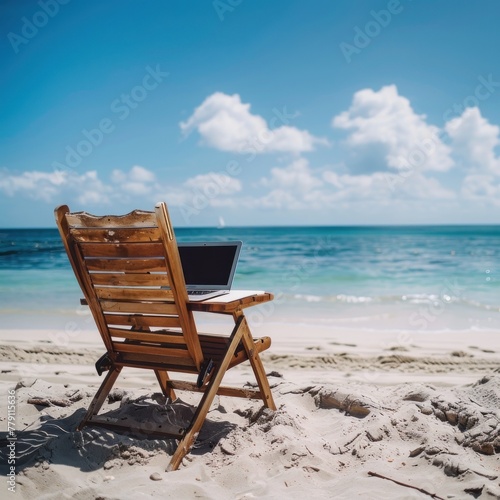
{"x": 209, "y": 267}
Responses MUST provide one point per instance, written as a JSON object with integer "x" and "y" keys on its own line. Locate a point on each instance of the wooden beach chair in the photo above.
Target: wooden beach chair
{"x": 129, "y": 270}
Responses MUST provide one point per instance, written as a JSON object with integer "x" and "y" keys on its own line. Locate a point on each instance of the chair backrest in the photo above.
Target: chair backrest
{"x": 129, "y": 270}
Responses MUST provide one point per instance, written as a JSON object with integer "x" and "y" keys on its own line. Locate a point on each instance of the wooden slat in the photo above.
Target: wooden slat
{"x": 179, "y": 355}
{"x": 128, "y": 426}
{"x": 175, "y": 272}
{"x": 157, "y": 336}
{"x": 138, "y": 321}
{"x": 136, "y": 218}
{"x": 127, "y": 250}
{"x": 138, "y": 307}
{"x": 214, "y": 347}
{"x": 182, "y": 385}
{"x": 218, "y": 340}
{"x": 116, "y": 235}
{"x": 137, "y": 294}
{"x": 155, "y": 362}
{"x": 129, "y": 279}
{"x": 126, "y": 265}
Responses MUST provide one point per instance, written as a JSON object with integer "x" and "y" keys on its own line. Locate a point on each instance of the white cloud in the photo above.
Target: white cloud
{"x": 420, "y": 187}
{"x": 474, "y": 141}
{"x": 137, "y": 181}
{"x": 37, "y": 185}
{"x": 89, "y": 189}
{"x": 296, "y": 186}
{"x": 135, "y": 174}
{"x": 197, "y": 193}
{"x": 481, "y": 188}
{"x": 227, "y": 124}
{"x": 213, "y": 184}
{"x": 354, "y": 187}
{"x": 386, "y": 186}
{"x": 385, "y": 118}
{"x": 296, "y": 176}
{"x": 86, "y": 188}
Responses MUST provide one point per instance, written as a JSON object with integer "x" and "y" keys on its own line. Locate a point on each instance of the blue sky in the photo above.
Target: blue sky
{"x": 256, "y": 112}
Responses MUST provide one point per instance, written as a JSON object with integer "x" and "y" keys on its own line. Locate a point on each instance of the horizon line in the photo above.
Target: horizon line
{"x": 445, "y": 224}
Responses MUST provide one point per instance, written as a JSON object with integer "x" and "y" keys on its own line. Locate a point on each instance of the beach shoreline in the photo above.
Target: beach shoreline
{"x": 356, "y": 412}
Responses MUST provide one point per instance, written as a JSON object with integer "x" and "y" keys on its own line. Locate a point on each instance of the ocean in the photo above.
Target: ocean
{"x": 427, "y": 279}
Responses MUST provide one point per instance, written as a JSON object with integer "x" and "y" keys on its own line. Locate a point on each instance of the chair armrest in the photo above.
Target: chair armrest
{"x": 231, "y": 302}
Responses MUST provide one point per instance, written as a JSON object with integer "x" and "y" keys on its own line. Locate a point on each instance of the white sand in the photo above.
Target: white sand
{"x": 416, "y": 408}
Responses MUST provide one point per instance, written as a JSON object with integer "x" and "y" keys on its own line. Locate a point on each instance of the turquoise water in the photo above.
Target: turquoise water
{"x": 420, "y": 278}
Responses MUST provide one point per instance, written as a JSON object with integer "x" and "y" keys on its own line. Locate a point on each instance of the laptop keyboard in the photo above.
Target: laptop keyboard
{"x": 200, "y": 292}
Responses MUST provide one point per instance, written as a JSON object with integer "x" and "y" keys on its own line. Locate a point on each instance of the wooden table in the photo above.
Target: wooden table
{"x": 232, "y": 303}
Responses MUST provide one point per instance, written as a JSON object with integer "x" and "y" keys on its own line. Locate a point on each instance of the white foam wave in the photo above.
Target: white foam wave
{"x": 414, "y": 299}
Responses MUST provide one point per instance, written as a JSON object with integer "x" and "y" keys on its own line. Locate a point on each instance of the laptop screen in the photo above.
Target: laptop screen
{"x": 209, "y": 264}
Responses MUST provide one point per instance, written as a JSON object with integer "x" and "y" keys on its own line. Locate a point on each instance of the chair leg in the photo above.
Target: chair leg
{"x": 186, "y": 443}
{"x": 257, "y": 367}
{"x": 163, "y": 379}
{"x": 255, "y": 362}
{"x": 101, "y": 395}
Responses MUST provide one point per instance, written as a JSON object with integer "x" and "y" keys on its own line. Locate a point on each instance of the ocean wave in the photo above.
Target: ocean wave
{"x": 29, "y": 250}
{"x": 414, "y": 299}
{"x": 33, "y": 256}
